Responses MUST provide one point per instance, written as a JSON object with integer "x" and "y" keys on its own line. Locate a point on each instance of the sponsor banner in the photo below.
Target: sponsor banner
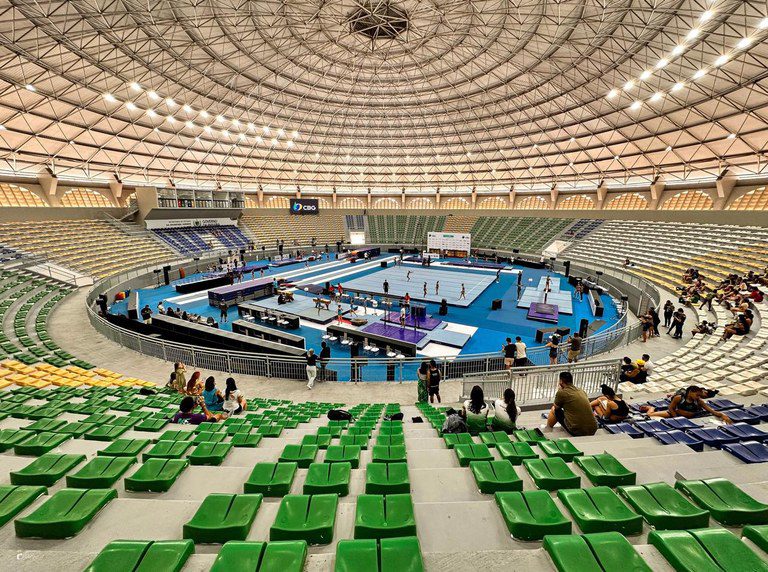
{"x": 304, "y": 206}
{"x": 187, "y": 222}
{"x": 455, "y": 241}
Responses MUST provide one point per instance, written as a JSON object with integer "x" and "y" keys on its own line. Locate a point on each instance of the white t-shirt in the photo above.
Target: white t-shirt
{"x": 649, "y": 365}
{"x": 232, "y": 404}
{"x": 483, "y": 411}
{"x": 500, "y": 412}
{"x": 520, "y": 350}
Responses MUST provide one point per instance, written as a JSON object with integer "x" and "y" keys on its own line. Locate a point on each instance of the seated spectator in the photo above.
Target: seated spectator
{"x": 572, "y": 409}
{"x": 610, "y": 408}
{"x": 234, "y": 401}
{"x": 689, "y": 403}
{"x": 505, "y": 412}
{"x": 756, "y": 296}
{"x": 185, "y": 415}
{"x": 646, "y": 369}
{"x": 212, "y": 396}
{"x": 194, "y": 385}
{"x": 704, "y": 328}
{"x": 740, "y": 327}
{"x": 475, "y": 411}
{"x": 629, "y": 370}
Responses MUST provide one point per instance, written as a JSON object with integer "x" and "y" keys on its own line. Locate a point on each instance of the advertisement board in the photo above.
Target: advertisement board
{"x": 304, "y": 207}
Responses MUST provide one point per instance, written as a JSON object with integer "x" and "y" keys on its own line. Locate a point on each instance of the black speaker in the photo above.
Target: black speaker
{"x": 567, "y": 265}
{"x": 166, "y": 275}
{"x": 242, "y": 252}
{"x": 583, "y": 327}
{"x": 496, "y": 305}
{"x": 443, "y": 311}
{"x": 383, "y": 263}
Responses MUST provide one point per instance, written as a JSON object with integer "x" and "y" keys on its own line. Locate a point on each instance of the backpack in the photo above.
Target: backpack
{"x": 339, "y": 415}
{"x": 394, "y": 417}
{"x": 454, "y": 424}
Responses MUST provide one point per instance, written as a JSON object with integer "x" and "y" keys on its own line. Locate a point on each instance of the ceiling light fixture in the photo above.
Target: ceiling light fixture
{"x": 169, "y": 102}
{"x": 657, "y": 96}
{"x": 109, "y": 97}
{"x": 645, "y": 75}
{"x": 693, "y": 34}
{"x": 187, "y": 108}
{"x": 662, "y": 63}
{"x": 130, "y": 105}
{"x": 637, "y": 104}
{"x": 678, "y": 49}
{"x": 30, "y": 87}
{"x": 613, "y": 93}
{"x": 629, "y": 85}
{"x": 744, "y": 43}
{"x": 678, "y": 86}
{"x": 135, "y": 86}
{"x": 722, "y": 60}
{"x": 699, "y": 74}
{"x": 153, "y": 95}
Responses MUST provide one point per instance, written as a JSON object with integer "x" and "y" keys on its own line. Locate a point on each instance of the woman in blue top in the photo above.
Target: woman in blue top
{"x": 212, "y": 396}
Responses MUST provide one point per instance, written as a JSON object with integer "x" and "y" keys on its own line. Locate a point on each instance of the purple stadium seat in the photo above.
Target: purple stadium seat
{"x": 713, "y": 437}
{"x": 651, "y": 427}
{"x": 759, "y": 410}
{"x": 742, "y": 416}
{"x": 631, "y": 430}
{"x": 745, "y": 432}
{"x": 748, "y": 451}
{"x": 679, "y": 423}
{"x": 674, "y": 437}
{"x": 722, "y": 404}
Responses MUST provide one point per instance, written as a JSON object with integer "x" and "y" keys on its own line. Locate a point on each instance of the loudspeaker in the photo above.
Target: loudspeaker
{"x": 496, "y": 305}
{"x": 383, "y": 263}
{"x": 443, "y": 311}
{"x": 583, "y": 327}
{"x": 166, "y": 275}
{"x": 567, "y": 265}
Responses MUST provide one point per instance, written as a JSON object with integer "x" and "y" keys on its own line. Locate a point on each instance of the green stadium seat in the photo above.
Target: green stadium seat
{"x": 453, "y": 439}
{"x": 75, "y": 430}
{"x": 321, "y": 441}
{"x": 46, "y": 469}
{"x": 562, "y": 448}
{"x": 100, "y": 473}
{"x": 249, "y": 440}
{"x": 303, "y": 455}
{"x": 209, "y": 453}
{"x": 343, "y": 454}
{"x": 39, "y": 443}
{"x": 551, "y": 474}
{"x": 105, "y": 432}
{"x": 530, "y": 436}
{"x": 516, "y": 452}
{"x": 223, "y": 517}
{"x": 531, "y": 515}
{"x": 176, "y": 435}
{"x": 15, "y": 498}
{"x": 385, "y": 555}
{"x": 305, "y": 517}
{"x": 271, "y": 479}
{"x": 155, "y": 475}
{"x": 167, "y": 450}
{"x": 333, "y": 431}
{"x": 600, "y": 552}
{"x": 143, "y": 556}
{"x": 151, "y": 425}
{"x": 726, "y": 502}
{"x": 124, "y": 448}
{"x": 495, "y": 476}
{"x": 359, "y": 440}
{"x": 493, "y": 438}
{"x": 391, "y": 454}
{"x": 270, "y": 431}
{"x": 663, "y": 507}
{"x": 604, "y": 469}
{"x": 209, "y": 437}
{"x": 328, "y": 478}
{"x": 468, "y": 453}
{"x": 384, "y": 516}
{"x": 390, "y": 440}
{"x": 758, "y": 535}
{"x": 387, "y": 478}
{"x": 237, "y": 556}
{"x": 64, "y": 514}
{"x": 599, "y": 509}
{"x": 705, "y": 550}
{"x": 50, "y": 425}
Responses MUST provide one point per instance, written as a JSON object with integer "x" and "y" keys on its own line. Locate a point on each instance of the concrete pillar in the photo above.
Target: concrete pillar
{"x": 554, "y": 193}
{"x": 602, "y": 193}
{"x": 49, "y": 183}
{"x": 725, "y": 184}
{"x": 657, "y": 190}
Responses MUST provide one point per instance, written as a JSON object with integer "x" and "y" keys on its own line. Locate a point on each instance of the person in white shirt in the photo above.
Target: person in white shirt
{"x": 234, "y": 401}
{"x": 520, "y": 356}
{"x": 505, "y": 412}
{"x": 475, "y": 411}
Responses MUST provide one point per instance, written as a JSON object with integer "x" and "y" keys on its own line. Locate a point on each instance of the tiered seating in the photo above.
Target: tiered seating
{"x": 581, "y": 228}
{"x": 190, "y": 240}
{"x": 403, "y": 229}
{"x": 528, "y": 234}
{"x": 460, "y": 223}
{"x": 326, "y": 228}
{"x": 93, "y": 247}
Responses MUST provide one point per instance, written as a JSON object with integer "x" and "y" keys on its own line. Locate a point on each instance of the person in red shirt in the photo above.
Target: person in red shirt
{"x": 339, "y": 289}
{"x": 756, "y": 296}
{"x": 407, "y": 299}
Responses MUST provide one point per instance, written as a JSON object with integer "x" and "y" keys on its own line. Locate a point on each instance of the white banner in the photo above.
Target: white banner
{"x": 187, "y": 222}
{"x": 449, "y": 241}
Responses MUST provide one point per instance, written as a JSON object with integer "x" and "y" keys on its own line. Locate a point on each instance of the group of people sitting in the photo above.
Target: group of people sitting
{"x": 184, "y": 315}
{"x": 636, "y": 371}
{"x": 214, "y": 405}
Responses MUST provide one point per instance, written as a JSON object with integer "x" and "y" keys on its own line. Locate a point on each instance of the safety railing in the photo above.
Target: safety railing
{"x": 539, "y": 384}
{"x": 368, "y": 368}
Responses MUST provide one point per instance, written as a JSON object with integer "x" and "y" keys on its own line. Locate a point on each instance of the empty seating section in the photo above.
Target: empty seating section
{"x": 460, "y": 223}
{"x": 93, "y": 247}
{"x": 403, "y": 229}
{"x": 325, "y": 228}
{"x": 528, "y": 234}
{"x": 190, "y": 240}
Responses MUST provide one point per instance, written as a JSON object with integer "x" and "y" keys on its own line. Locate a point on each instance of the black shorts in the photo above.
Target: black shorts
{"x": 560, "y": 416}
{"x": 434, "y": 390}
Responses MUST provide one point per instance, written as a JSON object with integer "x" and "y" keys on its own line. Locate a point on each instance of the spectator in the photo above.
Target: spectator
{"x": 678, "y": 319}
{"x": 520, "y": 356}
{"x": 574, "y": 349}
{"x": 433, "y": 387}
{"x": 688, "y": 404}
{"x": 325, "y": 357}
{"x": 475, "y": 411}
{"x": 629, "y": 370}
{"x": 146, "y": 314}
{"x": 223, "y": 311}
{"x": 552, "y": 344}
{"x": 185, "y": 415}
{"x": 234, "y": 401}
{"x": 609, "y": 408}
{"x": 572, "y": 409}
{"x": 669, "y": 310}
{"x": 655, "y": 321}
{"x": 645, "y": 365}
{"x": 509, "y": 350}
{"x": 704, "y": 328}
{"x": 422, "y": 374}
{"x": 181, "y": 376}
{"x": 505, "y": 412}
{"x": 311, "y": 368}
{"x": 194, "y": 385}
{"x": 212, "y": 396}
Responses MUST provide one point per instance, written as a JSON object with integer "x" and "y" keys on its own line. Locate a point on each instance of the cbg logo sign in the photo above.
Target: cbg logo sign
{"x": 304, "y": 206}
